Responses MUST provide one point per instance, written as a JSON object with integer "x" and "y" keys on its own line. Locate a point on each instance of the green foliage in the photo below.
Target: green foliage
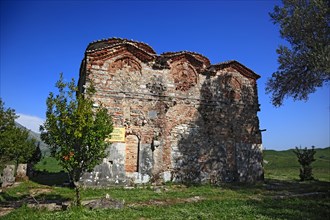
{"x": 305, "y": 158}
{"x": 36, "y": 156}
{"x": 75, "y": 130}
{"x": 7, "y": 126}
{"x": 15, "y": 144}
{"x": 305, "y": 65}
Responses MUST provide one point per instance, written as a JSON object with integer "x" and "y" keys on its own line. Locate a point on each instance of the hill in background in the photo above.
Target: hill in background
{"x": 43, "y": 146}
{"x": 284, "y": 164}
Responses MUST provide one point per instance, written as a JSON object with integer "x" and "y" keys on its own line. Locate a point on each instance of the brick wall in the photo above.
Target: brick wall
{"x": 185, "y": 119}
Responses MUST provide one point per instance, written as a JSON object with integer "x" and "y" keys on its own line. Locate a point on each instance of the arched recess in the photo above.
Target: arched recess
{"x": 180, "y": 119}
{"x": 125, "y": 73}
{"x": 178, "y": 133}
{"x": 132, "y": 153}
{"x": 125, "y": 62}
{"x": 184, "y": 75}
{"x": 236, "y": 86}
{"x": 231, "y": 87}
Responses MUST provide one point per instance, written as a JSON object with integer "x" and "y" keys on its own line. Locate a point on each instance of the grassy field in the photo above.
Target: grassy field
{"x": 283, "y": 165}
{"x": 48, "y": 164}
{"x": 281, "y": 196}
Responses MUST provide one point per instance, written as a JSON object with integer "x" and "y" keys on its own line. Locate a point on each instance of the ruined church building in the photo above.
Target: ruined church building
{"x": 183, "y": 119}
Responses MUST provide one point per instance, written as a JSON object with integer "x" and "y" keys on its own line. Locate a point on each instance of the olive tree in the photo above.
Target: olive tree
{"x": 304, "y": 64}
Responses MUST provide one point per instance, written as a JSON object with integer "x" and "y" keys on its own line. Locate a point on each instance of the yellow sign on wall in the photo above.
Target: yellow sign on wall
{"x": 117, "y": 135}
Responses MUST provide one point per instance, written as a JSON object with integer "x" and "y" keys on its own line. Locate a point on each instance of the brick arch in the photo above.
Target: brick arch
{"x": 236, "y": 86}
{"x": 125, "y": 73}
{"x": 125, "y": 62}
{"x": 236, "y": 83}
{"x": 132, "y": 153}
{"x": 176, "y": 137}
{"x": 232, "y": 87}
{"x": 184, "y": 75}
{"x": 183, "y": 114}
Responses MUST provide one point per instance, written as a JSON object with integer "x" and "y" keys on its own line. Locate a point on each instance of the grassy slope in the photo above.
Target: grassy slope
{"x": 43, "y": 146}
{"x": 283, "y": 165}
{"x": 48, "y": 164}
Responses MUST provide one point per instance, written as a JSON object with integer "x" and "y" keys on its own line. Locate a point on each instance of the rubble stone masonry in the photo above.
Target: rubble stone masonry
{"x": 185, "y": 119}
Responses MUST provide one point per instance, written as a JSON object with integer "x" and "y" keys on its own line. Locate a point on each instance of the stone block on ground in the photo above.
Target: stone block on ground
{"x": 8, "y": 177}
{"x": 105, "y": 203}
{"x": 21, "y": 173}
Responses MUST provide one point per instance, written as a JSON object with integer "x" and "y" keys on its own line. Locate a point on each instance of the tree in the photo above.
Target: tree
{"x": 36, "y": 156}
{"x": 76, "y": 130}
{"x": 305, "y": 159}
{"x": 15, "y": 144}
{"x": 305, "y": 65}
{"x": 21, "y": 147}
{"x": 7, "y": 122}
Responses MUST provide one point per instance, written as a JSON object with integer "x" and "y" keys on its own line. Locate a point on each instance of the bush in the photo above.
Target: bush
{"x": 305, "y": 158}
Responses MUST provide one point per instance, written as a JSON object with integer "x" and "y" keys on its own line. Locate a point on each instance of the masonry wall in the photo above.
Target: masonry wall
{"x": 186, "y": 120}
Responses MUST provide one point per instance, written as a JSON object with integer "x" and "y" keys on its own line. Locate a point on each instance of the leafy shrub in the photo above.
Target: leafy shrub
{"x": 305, "y": 158}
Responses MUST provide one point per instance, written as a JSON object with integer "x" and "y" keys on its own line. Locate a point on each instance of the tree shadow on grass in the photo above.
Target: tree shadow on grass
{"x": 27, "y": 194}
{"x": 10, "y": 201}
{"x": 295, "y": 187}
{"x": 286, "y": 207}
{"x": 281, "y": 199}
{"x": 50, "y": 178}
{"x": 278, "y": 189}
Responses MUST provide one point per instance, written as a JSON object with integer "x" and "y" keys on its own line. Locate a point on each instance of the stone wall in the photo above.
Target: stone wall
{"x": 185, "y": 119}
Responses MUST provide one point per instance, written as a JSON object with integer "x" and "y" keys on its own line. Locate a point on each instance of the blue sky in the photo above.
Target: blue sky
{"x": 40, "y": 39}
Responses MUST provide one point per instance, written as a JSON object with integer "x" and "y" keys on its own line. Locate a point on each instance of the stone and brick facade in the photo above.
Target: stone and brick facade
{"x": 185, "y": 119}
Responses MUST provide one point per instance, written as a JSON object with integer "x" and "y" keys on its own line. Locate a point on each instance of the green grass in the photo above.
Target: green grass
{"x": 49, "y": 172}
{"x": 281, "y": 196}
{"x": 49, "y": 164}
{"x": 284, "y": 165}
{"x": 232, "y": 201}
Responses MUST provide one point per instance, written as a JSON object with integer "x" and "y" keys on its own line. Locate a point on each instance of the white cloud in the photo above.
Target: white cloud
{"x": 31, "y": 122}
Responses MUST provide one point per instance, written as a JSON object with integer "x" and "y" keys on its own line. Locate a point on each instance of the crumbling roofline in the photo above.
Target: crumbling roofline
{"x": 201, "y": 61}
{"x": 236, "y": 65}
